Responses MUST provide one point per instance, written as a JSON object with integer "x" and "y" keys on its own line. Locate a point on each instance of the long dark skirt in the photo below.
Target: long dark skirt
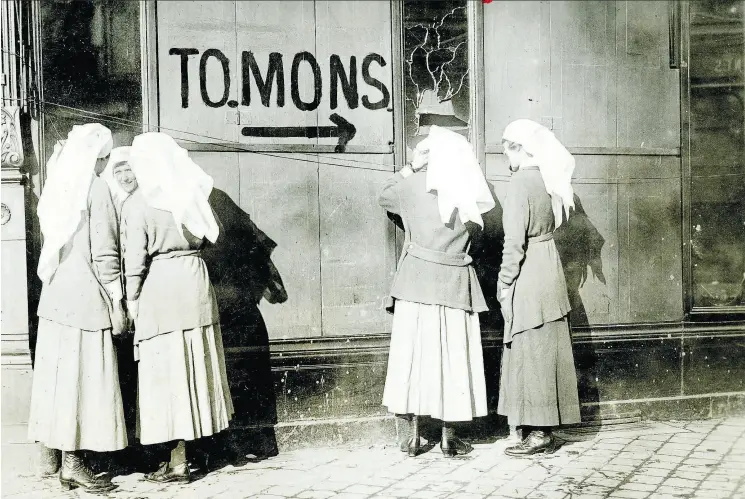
{"x": 538, "y": 385}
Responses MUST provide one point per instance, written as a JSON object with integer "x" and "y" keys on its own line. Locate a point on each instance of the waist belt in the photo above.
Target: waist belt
{"x": 177, "y": 254}
{"x": 542, "y": 238}
{"x": 451, "y": 259}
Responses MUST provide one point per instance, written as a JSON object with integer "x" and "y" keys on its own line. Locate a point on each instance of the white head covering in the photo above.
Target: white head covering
{"x": 64, "y": 199}
{"x": 454, "y": 172}
{"x": 118, "y": 155}
{"x": 169, "y": 180}
{"x": 554, "y": 161}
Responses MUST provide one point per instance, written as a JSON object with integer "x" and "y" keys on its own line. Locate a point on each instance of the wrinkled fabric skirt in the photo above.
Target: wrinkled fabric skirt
{"x": 538, "y": 382}
{"x": 436, "y": 365}
{"x": 183, "y": 391}
{"x": 76, "y": 402}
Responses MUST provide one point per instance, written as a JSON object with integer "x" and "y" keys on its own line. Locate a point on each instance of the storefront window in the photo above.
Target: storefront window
{"x": 91, "y": 64}
{"x": 436, "y": 75}
{"x": 717, "y": 153}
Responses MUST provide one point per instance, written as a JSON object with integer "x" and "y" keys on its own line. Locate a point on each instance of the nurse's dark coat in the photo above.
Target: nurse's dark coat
{"x": 530, "y": 260}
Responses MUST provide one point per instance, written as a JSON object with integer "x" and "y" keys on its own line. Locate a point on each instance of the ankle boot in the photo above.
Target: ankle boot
{"x": 415, "y": 441}
{"x": 451, "y": 445}
{"x": 75, "y": 473}
{"x": 538, "y": 441}
{"x": 405, "y": 431}
{"x": 166, "y": 474}
{"x": 49, "y": 461}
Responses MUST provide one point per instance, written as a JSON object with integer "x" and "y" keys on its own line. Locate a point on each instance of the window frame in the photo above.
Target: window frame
{"x": 691, "y": 311}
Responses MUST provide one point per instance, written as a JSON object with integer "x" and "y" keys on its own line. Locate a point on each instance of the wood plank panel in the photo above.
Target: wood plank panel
{"x": 199, "y": 25}
{"x": 583, "y": 73}
{"x": 359, "y": 30}
{"x": 516, "y": 64}
{"x": 650, "y": 261}
{"x": 358, "y": 252}
{"x": 648, "y": 90}
{"x": 288, "y": 28}
{"x": 281, "y": 196}
{"x": 223, "y": 167}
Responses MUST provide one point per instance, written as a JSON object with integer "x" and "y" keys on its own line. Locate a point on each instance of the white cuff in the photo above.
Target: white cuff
{"x": 134, "y": 308}
{"x": 114, "y": 289}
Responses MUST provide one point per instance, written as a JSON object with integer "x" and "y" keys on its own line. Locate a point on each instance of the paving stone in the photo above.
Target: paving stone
{"x": 639, "y": 487}
{"x": 680, "y": 482}
{"x": 400, "y": 492}
{"x": 428, "y": 494}
{"x": 549, "y": 494}
{"x": 647, "y": 479}
{"x": 679, "y": 492}
{"x": 629, "y": 494}
{"x": 512, "y": 492}
{"x": 710, "y": 466}
{"x": 363, "y": 489}
{"x": 316, "y": 494}
{"x": 284, "y": 490}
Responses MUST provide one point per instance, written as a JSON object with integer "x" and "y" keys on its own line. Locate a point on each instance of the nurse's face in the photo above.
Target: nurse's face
{"x": 515, "y": 153}
{"x": 123, "y": 174}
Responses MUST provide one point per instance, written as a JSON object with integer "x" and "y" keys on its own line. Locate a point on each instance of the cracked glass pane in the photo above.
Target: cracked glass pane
{"x": 718, "y": 153}
{"x": 435, "y": 67}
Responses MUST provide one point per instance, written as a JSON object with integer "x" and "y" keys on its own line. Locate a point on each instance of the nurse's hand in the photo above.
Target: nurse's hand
{"x": 118, "y": 319}
{"x": 504, "y": 296}
{"x": 133, "y": 308}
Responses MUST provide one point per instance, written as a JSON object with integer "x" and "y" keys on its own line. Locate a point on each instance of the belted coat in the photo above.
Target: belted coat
{"x": 531, "y": 269}
{"x": 434, "y": 267}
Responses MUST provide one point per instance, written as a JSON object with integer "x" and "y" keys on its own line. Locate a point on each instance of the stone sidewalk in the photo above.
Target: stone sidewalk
{"x": 701, "y": 459}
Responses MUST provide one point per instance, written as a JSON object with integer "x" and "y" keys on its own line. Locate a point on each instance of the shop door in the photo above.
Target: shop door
{"x": 240, "y": 84}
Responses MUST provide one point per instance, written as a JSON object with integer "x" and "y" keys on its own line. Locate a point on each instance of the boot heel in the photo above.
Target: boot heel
{"x": 414, "y": 447}
{"x": 67, "y": 484}
{"x": 448, "y": 451}
{"x": 552, "y": 447}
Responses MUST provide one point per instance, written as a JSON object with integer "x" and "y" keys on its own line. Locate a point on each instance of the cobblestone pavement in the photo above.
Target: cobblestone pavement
{"x": 702, "y": 459}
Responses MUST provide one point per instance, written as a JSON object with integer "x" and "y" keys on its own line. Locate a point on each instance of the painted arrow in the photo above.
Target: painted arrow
{"x": 341, "y": 128}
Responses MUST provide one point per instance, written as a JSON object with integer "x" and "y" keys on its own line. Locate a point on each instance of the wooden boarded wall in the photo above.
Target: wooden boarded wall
{"x": 335, "y": 249}
{"x": 598, "y": 74}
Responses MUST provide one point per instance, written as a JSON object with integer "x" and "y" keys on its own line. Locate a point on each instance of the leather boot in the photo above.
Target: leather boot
{"x": 166, "y": 474}
{"x": 49, "y": 461}
{"x": 75, "y": 473}
{"x": 414, "y": 447}
{"x": 451, "y": 445}
{"x": 411, "y": 441}
{"x": 538, "y": 441}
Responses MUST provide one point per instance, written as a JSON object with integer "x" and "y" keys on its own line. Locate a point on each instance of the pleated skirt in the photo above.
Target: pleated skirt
{"x": 183, "y": 391}
{"x": 436, "y": 365}
{"x": 76, "y": 402}
{"x": 538, "y": 381}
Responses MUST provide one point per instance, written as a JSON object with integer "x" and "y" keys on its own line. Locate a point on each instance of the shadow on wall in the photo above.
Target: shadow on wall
{"x": 242, "y": 273}
{"x": 579, "y": 244}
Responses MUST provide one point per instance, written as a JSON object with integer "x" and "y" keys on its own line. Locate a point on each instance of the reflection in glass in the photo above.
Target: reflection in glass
{"x": 435, "y": 67}
{"x": 718, "y": 153}
{"x": 91, "y": 63}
